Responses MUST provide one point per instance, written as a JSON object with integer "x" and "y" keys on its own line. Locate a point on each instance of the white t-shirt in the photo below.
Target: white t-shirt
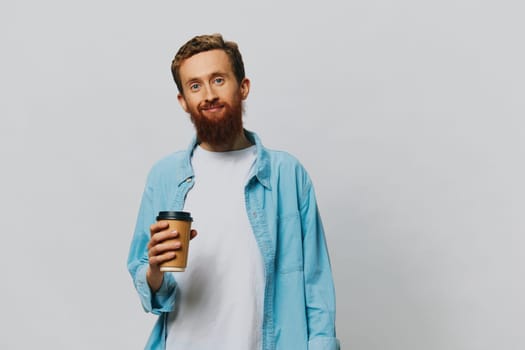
{"x": 220, "y": 295}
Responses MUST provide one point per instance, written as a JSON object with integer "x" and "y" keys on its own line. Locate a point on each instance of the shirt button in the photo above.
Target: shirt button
{"x": 188, "y": 179}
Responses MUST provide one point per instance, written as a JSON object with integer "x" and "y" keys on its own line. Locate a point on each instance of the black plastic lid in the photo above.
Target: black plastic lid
{"x": 174, "y": 215}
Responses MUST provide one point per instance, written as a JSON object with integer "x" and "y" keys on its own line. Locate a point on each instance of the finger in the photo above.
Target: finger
{"x": 163, "y": 247}
{"x": 159, "y": 259}
{"x": 162, "y": 236}
{"x": 158, "y": 226}
{"x": 193, "y": 233}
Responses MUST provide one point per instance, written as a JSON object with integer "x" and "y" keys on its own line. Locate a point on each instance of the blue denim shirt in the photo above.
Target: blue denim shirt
{"x": 299, "y": 297}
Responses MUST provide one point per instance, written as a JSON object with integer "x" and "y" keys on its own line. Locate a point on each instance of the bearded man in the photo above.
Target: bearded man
{"x": 258, "y": 275}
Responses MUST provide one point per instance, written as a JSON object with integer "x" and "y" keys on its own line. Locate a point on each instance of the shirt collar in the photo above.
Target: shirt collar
{"x": 262, "y": 162}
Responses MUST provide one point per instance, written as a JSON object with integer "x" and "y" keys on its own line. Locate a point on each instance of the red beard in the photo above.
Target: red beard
{"x": 222, "y": 129}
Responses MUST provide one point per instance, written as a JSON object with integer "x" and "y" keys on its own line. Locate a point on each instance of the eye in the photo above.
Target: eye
{"x": 194, "y": 86}
{"x": 219, "y": 81}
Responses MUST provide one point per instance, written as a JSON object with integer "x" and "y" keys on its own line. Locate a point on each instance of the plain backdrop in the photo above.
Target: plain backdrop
{"x": 409, "y": 116}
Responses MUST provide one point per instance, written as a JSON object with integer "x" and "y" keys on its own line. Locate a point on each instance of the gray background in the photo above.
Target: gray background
{"x": 408, "y": 115}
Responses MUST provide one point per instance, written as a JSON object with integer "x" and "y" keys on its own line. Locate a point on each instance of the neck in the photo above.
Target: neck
{"x": 240, "y": 142}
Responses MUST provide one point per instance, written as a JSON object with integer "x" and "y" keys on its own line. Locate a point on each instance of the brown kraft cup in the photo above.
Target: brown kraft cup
{"x": 179, "y": 221}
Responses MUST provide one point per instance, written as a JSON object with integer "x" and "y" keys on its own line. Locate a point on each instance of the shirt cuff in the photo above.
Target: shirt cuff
{"x": 161, "y": 301}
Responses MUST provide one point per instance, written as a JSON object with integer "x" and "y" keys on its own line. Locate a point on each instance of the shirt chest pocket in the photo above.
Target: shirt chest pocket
{"x": 289, "y": 250}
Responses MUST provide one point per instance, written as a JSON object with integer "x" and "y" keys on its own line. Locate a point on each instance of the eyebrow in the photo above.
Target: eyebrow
{"x": 211, "y": 75}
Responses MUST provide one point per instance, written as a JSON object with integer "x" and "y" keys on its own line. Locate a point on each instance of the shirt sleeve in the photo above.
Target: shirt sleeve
{"x": 164, "y": 299}
{"x": 319, "y": 286}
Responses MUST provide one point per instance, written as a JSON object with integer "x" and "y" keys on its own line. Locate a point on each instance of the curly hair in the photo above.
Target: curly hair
{"x": 202, "y": 43}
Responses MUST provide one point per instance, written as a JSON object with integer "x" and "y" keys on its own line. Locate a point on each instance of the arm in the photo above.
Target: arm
{"x": 163, "y": 299}
{"x": 319, "y": 287}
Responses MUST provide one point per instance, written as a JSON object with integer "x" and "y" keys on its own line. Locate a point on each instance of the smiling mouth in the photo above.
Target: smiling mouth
{"x": 212, "y": 108}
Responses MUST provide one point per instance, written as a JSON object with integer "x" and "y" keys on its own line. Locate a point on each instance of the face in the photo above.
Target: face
{"x": 212, "y": 96}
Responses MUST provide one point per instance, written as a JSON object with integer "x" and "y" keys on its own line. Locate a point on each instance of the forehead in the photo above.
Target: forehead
{"x": 204, "y": 64}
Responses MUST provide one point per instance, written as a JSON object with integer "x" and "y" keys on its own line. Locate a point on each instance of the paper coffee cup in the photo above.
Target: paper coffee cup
{"x": 179, "y": 221}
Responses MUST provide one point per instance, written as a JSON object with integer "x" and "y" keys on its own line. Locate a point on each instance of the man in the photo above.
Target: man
{"x": 258, "y": 274}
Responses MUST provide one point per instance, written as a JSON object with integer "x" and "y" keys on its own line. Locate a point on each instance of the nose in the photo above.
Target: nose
{"x": 209, "y": 93}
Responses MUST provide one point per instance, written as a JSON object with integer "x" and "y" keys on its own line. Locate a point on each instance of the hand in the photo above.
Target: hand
{"x": 162, "y": 247}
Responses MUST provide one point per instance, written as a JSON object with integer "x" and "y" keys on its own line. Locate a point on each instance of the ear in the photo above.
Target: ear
{"x": 182, "y": 102}
{"x": 245, "y": 88}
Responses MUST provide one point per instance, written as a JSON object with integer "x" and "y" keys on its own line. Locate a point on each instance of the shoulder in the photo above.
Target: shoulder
{"x": 169, "y": 167}
{"x": 280, "y": 157}
{"x": 283, "y": 160}
{"x": 288, "y": 169}
{"x": 170, "y": 161}
{"x": 276, "y": 159}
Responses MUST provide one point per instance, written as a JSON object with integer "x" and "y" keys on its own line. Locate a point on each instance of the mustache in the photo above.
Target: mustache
{"x": 211, "y": 104}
